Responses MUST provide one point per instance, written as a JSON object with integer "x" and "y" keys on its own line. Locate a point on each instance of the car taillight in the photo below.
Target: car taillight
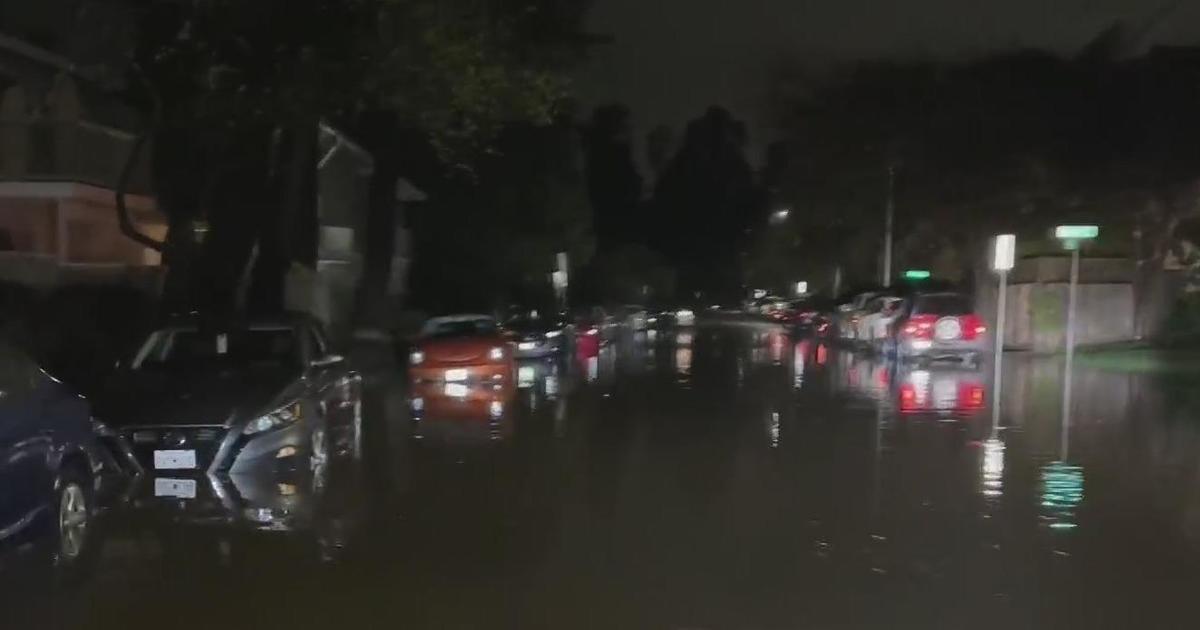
{"x": 971, "y": 396}
{"x": 908, "y": 397}
{"x": 972, "y": 326}
{"x": 919, "y": 327}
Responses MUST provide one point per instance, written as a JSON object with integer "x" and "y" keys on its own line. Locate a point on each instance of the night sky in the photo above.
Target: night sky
{"x": 672, "y": 58}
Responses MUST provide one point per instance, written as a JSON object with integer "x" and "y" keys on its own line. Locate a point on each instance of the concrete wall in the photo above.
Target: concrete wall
{"x": 1037, "y": 302}
{"x": 1037, "y": 315}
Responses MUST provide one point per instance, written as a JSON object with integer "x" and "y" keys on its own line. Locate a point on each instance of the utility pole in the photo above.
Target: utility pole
{"x": 890, "y": 210}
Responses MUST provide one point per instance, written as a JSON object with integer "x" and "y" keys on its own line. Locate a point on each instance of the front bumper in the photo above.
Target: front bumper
{"x": 258, "y": 501}
{"x": 475, "y": 374}
{"x": 220, "y": 449}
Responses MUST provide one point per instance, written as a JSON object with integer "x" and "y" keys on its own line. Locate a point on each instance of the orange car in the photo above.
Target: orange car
{"x": 461, "y": 349}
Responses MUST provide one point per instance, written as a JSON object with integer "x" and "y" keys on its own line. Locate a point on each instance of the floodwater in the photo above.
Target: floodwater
{"x": 722, "y": 477}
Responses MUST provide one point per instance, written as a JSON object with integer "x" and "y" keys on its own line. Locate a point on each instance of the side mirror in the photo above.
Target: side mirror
{"x": 327, "y": 361}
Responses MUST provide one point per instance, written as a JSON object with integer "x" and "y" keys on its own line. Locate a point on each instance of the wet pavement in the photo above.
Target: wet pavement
{"x": 721, "y": 477}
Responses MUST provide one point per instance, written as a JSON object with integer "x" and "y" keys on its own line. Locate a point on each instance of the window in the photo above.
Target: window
{"x": 184, "y": 349}
{"x": 943, "y": 304}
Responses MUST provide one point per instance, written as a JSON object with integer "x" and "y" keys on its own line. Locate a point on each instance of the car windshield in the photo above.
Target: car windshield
{"x": 186, "y": 349}
{"x": 460, "y": 328}
{"x": 949, "y": 304}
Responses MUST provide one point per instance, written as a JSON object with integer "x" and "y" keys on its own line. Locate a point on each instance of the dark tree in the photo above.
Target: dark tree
{"x": 704, "y": 203}
{"x": 614, "y": 185}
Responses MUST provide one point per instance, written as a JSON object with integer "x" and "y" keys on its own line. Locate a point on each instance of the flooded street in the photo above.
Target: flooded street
{"x": 722, "y": 477}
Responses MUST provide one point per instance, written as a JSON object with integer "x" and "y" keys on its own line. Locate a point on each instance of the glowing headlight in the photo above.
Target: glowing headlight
{"x": 553, "y": 333}
{"x": 496, "y": 353}
{"x": 273, "y": 420}
{"x": 416, "y": 357}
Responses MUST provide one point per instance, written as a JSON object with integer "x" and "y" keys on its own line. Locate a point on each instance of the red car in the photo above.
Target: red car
{"x": 462, "y": 349}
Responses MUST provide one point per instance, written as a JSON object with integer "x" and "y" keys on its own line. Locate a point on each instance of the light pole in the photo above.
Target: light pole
{"x": 1003, "y": 259}
{"x": 1072, "y": 237}
{"x": 889, "y": 211}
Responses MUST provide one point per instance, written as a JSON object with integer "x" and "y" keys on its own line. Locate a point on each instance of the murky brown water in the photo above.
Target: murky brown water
{"x": 721, "y": 478}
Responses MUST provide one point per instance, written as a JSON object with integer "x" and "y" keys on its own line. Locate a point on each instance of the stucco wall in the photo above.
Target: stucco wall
{"x": 1037, "y": 315}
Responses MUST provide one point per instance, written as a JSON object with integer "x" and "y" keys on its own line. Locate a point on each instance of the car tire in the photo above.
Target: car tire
{"x": 72, "y": 518}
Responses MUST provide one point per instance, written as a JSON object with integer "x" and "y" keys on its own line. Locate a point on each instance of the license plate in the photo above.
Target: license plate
{"x": 527, "y": 345}
{"x": 175, "y": 460}
{"x": 456, "y": 390}
{"x": 177, "y": 488}
{"x": 456, "y": 375}
{"x": 526, "y": 374}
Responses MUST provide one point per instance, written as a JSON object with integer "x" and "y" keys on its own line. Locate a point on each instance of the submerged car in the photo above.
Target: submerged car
{"x": 206, "y": 406}
{"x": 939, "y": 325}
{"x": 53, "y": 464}
{"x": 463, "y": 349}
{"x": 537, "y": 336}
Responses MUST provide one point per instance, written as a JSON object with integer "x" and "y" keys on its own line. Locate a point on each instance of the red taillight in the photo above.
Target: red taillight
{"x": 971, "y": 396}
{"x": 972, "y": 326}
{"x": 908, "y": 397}
{"x": 919, "y": 327}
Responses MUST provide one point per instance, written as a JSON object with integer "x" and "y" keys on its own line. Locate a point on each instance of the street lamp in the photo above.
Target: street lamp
{"x": 779, "y": 216}
{"x": 1003, "y": 259}
{"x": 1072, "y": 237}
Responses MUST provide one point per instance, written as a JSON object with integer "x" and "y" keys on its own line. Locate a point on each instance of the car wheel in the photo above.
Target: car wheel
{"x": 73, "y": 515}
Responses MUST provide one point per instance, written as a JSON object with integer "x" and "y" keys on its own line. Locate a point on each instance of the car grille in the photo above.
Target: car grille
{"x": 205, "y": 440}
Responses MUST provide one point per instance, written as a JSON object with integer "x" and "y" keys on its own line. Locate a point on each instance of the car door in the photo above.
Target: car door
{"x": 25, "y": 442}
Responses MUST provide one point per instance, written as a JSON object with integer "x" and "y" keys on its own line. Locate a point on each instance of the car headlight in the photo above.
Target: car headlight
{"x": 553, "y": 333}
{"x": 416, "y": 357}
{"x": 496, "y": 353}
{"x": 278, "y": 418}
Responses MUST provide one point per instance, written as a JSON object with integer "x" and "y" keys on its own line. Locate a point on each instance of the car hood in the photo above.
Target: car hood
{"x": 183, "y": 399}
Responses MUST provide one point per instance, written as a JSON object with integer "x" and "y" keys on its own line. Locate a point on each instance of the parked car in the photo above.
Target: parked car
{"x": 848, "y": 314}
{"x": 809, "y": 315}
{"x": 939, "y": 325}
{"x": 636, "y": 317}
{"x": 200, "y": 403}
{"x": 537, "y": 336}
{"x": 53, "y": 465}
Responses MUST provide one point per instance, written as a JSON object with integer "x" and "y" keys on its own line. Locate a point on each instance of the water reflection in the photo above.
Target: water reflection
{"x": 458, "y": 412}
{"x": 993, "y": 468}
{"x": 1061, "y": 494}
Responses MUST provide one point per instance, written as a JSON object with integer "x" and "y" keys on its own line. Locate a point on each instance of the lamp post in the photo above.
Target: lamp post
{"x": 1003, "y": 258}
{"x": 1072, "y": 237}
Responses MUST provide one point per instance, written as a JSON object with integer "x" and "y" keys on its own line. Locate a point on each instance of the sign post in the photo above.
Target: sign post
{"x": 1072, "y": 237}
{"x": 1003, "y": 259}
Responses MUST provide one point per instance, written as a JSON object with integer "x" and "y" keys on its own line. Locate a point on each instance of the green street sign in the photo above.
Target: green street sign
{"x": 916, "y": 274}
{"x": 1076, "y": 232}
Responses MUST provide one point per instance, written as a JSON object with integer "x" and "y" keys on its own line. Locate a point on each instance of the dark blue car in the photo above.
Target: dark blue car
{"x": 51, "y": 459}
